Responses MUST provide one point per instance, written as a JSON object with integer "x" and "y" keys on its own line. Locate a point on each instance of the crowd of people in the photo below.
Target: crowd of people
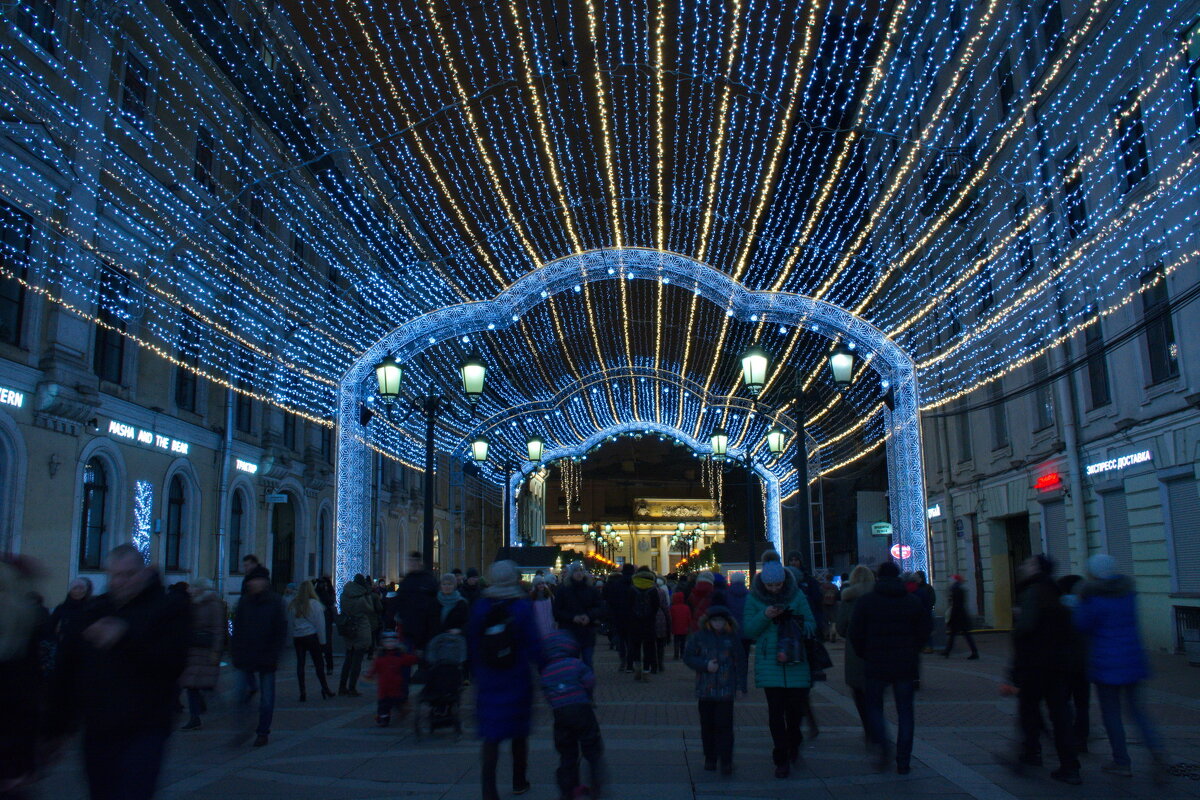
{"x": 120, "y": 665}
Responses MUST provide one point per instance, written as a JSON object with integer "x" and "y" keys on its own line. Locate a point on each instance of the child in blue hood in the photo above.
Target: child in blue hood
{"x": 567, "y": 683}
{"x": 715, "y": 652}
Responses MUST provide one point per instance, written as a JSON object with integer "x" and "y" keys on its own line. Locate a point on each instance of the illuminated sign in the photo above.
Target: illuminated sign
{"x": 934, "y": 511}
{"x": 12, "y": 398}
{"x": 881, "y": 529}
{"x": 901, "y": 551}
{"x": 1121, "y": 462}
{"x": 246, "y": 466}
{"x": 1051, "y": 480}
{"x": 123, "y": 430}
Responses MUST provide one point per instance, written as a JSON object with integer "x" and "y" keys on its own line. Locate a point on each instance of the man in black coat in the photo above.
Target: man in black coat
{"x": 1046, "y": 651}
{"x": 576, "y": 607}
{"x": 619, "y": 606}
{"x": 887, "y": 631}
{"x": 259, "y": 631}
{"x": 417, "y": 606}
{"x": 118, "y": 666}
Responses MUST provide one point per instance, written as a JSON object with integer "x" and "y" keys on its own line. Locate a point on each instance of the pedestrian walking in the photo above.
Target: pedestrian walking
{"x": 736, "y": 603}
{"x": 715, "y": 653}
{"x": 644, "y": 602}
{"x": 1045, "y": 646}
{"x": 662, "y": 625}
{"x": 471, "y": 586}
{"x": 567, "y": 683}
{"x": 888, "y": 628}
{"x": 543, "y": 606}
{"x": 418, "y": 612}
{"x": 778, "y": 618}
{"x": 860, "y": 583}
{"x": 1108, "y": 617}
{"x": 830, "y": 597}
{"x": 928, "y": 597}
{"x": 618, "y": 606}
{"x": 209, "y": 635}
{"x": 79, "y": 594}
{"x": 328, "y": 599}
{"x": 959, "y": 619}
{"x": 118, "y": 671}
{"x": 306, "y": 617}
{"x": 259, "y": 631}
{"x": 577, "y": 609}
{"x": 700, "y": 598}
{"x": 390, "y": 671}
{"x": 21, "y": 681}
{"x": 681, "y": 622}
{"x": 354, "y": 625}
{"x": 505, "y": 650}
{"x": 1079, "y": 690}
{"x": 453, "y": 612}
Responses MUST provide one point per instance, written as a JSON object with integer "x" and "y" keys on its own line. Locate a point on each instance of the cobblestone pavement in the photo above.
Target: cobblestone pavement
{"x": 331, "y": 749}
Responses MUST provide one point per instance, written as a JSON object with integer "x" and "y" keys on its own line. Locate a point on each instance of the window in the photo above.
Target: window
{"x": 37, "y": 20}
{"x": 172, "y": 560}
{"x": 1005, "y": 85}
{"x": 1058, "y": 547}
{"x": 16, "y": 232}
{"x": 93, "y": 518}
{"x": 322, "y": 535}
{"x": 1161, "y": 350}
{"x": 999, "y": 418}
{"x": 135, "y": 90}
{"x": 237, "y": 532}
{"x": 108, "y": 359}
{"x": 243, "y": 409}
{"x": 1052, "y": 25}
{"x": 964, "y": 433}
{"x": 185, "y": 379}
{"x": 289, "y": 431}
{"x": 326, "y": 443}
{"x": 204, "y": 170}
{"x": 1043, "y": 395}
{"x": 1183, "y": 505}
{"x": 1074, "y": 203}
{"x": 1116, "y": 530}
{"x": 1099, "y": 394}
{"x": 1193, "y": 69}
{"x": 1131, "y": 143}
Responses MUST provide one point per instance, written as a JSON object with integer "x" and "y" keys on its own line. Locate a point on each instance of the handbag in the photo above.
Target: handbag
{"x": 818, "y": 658}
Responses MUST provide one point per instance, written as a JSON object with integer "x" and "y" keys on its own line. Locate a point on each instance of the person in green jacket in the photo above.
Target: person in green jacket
{"x": 774, "y": 603}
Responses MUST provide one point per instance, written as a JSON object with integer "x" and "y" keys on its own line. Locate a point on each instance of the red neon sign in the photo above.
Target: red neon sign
{"x": 901, "y": 551}
{"x": 1051, "y": 480}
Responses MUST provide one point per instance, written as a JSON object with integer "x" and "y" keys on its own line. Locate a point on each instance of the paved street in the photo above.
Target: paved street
{"x": 331, "y": 749}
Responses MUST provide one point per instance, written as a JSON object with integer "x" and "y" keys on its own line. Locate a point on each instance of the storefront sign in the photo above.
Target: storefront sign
{"x": 142, "y": 436}
{"x": 1121, "y": 462}
{"x": 1048, "y": 482}
{"x": 246, "y": 466}
{"x": 881, "y": 529}
{"x": 12, "y": 398}
{"x": 934, "y": 511}
{"x": 901, "y": 551}
{"x": 277, "y": 497}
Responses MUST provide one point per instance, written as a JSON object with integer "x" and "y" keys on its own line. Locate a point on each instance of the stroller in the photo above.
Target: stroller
{"x": 438, "y": 701}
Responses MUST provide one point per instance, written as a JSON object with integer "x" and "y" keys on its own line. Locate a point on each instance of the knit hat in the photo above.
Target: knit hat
{"x": 504, "y": 581}
{"x": 770, "y": 555}
{"x": 704, "y": 577}
{"x": 1102, "y": 566}
{"x": 772, "y": 572}
{"x": 719, "y": 611}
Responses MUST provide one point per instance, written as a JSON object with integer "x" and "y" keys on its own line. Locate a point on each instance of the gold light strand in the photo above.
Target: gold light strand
{"x": 660, "y": 29}
{"x": 614, "y": 190}
{"x": 718, "y": 147}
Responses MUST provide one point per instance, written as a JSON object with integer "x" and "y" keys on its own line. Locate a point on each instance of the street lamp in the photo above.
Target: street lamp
{"x": 719, "y": 439}
{"x": 387, "y": 375}
{"x": 479, "y": 448}
{"x": 535, "y": 446}
{"x": 474, "y": 377}
{"x": 776, "y": 439}
{"x": 841, "y": 364}
{"x": 755, "y": 362}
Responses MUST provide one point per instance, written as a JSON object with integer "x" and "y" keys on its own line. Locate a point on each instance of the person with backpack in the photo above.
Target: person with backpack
{"x": 715, "y": 653}
{"x": 505, "y": 649}
{"x": 567, "y": 683}
{"x": 354, "y": 626}
{"x": 645, "y": 602}
{"x": 778, "y": 618}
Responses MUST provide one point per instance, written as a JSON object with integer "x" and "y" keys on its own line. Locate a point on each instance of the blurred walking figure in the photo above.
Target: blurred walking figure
{"x": 860, "y": 583}
{"x": 888, "y": 628}
{"x": 418, "y": 613}
{"x": 567, "y": 683}
{"x": 20, "y": 682}
{"x": 389, "y": 670}
{"x": 681, "y": 622}
{"x": 205, "y": 646}
{"x": 306, "y": 617}
{"x": 453, "y": 611}
{"x": 505, "y": 649}
{"x": 259, "y": 631}
{"x": 79, "y": 594}
{"x": 118, "y": 670}
{"x": 1079, "y": 690}
{"x": 643, "y": 625}
{"x": 1117, "y": 664}
{"x": 354, "y": 625}
{"x": 1045, "y": 646}
{"x": 928, "y": 597}
{"x": 324, "y": 589}
{"x": 577, "y": 609}
{"x": 959, "y": 620}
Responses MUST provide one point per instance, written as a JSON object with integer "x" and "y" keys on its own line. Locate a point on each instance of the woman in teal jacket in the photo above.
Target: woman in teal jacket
{"x": 775, "y": 598}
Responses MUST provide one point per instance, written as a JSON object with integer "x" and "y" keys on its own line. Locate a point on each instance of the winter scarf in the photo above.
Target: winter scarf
{"x": 448, "y": 602}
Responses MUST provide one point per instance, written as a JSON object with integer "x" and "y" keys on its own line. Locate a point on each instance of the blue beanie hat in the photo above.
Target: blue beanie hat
{"x": 772, "y": 572}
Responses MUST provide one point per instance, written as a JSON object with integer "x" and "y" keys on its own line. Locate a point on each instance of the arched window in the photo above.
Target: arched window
{"x": 322, "y": 536}
{"x": 237, "y": 532}
{"x": 172, "y": 560}
{"x": 93, "y": 519}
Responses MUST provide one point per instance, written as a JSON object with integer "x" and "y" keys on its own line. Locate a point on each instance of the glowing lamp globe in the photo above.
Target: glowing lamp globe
{"x": 388, "y": 374}
{"x": 535, "y": 446}
{"x": 776, "y": 439}
{"x": 719, "y": 440}
{"x": 474, "y": 377}
{"x": 841, "y": 364}
{"x": 755, "y": 362}
{"x": 479, "y": 448}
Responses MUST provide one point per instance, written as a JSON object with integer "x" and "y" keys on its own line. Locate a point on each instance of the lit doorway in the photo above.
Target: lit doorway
{"x": 283, "y": 550}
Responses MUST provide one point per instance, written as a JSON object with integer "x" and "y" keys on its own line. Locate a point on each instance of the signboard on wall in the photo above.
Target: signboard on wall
{"x": 881, "y": 529}
{"x": 276, "y": 497}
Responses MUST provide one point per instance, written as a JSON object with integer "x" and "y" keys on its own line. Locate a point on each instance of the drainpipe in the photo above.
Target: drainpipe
{"x": 220, "y": 568}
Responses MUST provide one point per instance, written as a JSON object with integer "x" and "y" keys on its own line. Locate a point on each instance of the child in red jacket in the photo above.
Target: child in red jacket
{"x": 388, "y": 669}
{"x": 681, "y": 622}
